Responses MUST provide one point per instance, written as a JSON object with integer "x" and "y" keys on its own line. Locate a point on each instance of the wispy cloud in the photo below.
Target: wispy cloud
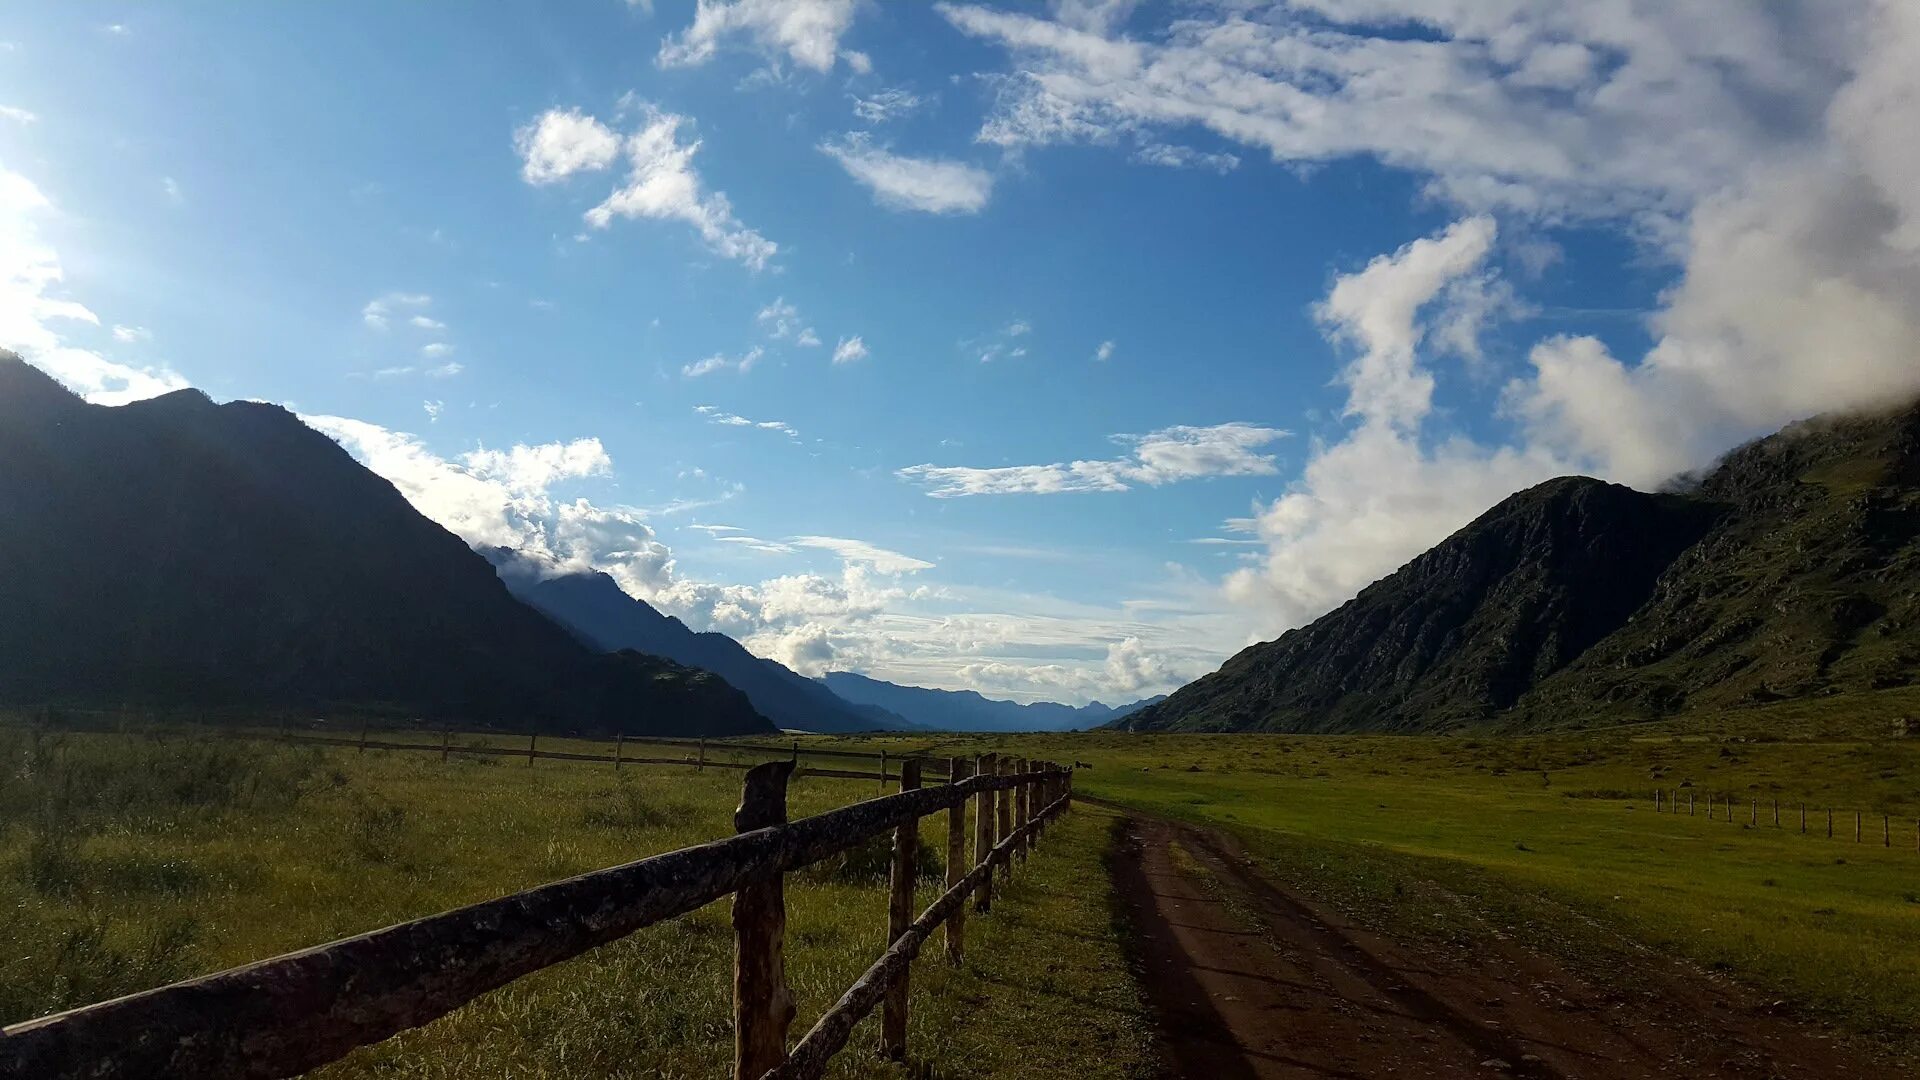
{"x": 859, "y": 551}
{"x": 1160, "y": 457}
{"x": 850, "y": 350}
{"x": 927, "y": 185}
{"x": 807, "y": 32}
{"x": 719, "y": 362}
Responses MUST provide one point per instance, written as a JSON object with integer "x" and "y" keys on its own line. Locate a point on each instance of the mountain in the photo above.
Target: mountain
{"x": 175, "y": 553}
{"x": 964, "y": 710}
{"x": 601, "y": 614}
{"x": 1790, "y": 569}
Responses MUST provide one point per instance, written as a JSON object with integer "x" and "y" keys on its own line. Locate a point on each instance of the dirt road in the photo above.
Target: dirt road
{"x": 1249, "y": 980}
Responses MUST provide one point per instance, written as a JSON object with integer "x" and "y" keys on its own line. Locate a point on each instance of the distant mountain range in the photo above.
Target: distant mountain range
{"x": 965, "y": 710}
{"x": 600, "y": 613}
{"x": 1791, "y": 569}
{"x": 176, "y": 553}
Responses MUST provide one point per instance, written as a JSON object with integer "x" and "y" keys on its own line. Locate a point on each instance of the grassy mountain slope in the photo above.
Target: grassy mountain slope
{"x": 1790, "y": 569}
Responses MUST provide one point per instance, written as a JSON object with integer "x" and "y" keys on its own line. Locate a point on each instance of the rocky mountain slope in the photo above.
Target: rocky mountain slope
{"x": 965, "y": 710}
{"x": 601, "y": 614}
{"x": 1790, "y": 569}
{"x": 176, "y": 553}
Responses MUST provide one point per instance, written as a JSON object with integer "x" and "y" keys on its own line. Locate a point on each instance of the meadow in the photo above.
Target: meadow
{"x": 127, "y": 861}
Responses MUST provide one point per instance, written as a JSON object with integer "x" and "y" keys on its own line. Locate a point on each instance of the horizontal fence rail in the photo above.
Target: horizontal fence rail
{"x": 287, "y": 1015}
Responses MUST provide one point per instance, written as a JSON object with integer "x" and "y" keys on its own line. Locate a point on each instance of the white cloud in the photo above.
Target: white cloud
{"x": 436, "y": 350}
{"x": 1537, "y": 106}
{"x": 661, "y": 184}
{"x": 850, "y": 350}
{"x": 1020, "y": 328}
{"x": 446, "y": 371}
{"x": 727, "y": 419}
{"x": 171, "y": 189}
{"x": 782, "y": 321}
{"x": 563, "y": 142}
{"x": 34, "y": 311}
{"x": 379, "y": 311}
{"x": 1185, "y": 157}
{"x": 17, "y": 115}
{"x": 928, "y": 185}
{"x": 131, "y": 335}
{"x": 806, "y": 31}
{"x": 423, "y": 322}
{"x": 721, "y": 363}
{"x": 1104, "y": 352}
{"x": 433, "y": 410}
{"x": 884, "y": 106}
{"x": 1161, "y": 457}
{"x": 860, "y": 552}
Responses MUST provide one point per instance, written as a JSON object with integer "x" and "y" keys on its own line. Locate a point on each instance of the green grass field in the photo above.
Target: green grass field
{"x": 127, "y": 862}
{"x": 1554, "y": 840}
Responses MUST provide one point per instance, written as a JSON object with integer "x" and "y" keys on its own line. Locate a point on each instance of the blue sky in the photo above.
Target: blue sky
{"x": 797, "y": 315}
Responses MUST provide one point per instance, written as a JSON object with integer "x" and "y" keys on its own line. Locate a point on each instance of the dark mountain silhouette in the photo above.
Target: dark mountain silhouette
{"x": 965, "y": 710}
{"x": 1790, "y": 569}
{"x": 601, "y": 614}
{"x": 178, "y": 554}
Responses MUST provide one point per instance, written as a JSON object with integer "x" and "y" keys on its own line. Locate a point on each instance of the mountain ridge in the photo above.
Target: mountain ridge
{"x": 1790, "y": 568}
{"x": 969, "y": 710}
{"x": 178, "y": 553}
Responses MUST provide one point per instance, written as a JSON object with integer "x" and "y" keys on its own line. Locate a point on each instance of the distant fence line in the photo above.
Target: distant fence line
{"x": 372, "y": 738}
{"x": 1668, "y": 801}
{"x": 285, "y": 1016}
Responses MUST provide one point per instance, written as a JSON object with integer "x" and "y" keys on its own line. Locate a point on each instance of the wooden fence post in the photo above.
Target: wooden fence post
{"x": 531, "y": 739}
{"x": 983, "y": 837}
{"x": 883, "y": 772}
{"x": 701, "y": 764}
{"x": 619, "y": 743}
{"x": 1023, "y": 809}
{"x": 1803, "y": 819}
{"x": 1856, "y": 826}
{"x": 763, "y": 1008}
{"x": 1886, "y": 830}
{"x": 957, "y": 770}
{"x": 1776, "y": 811}
{"x": 906, "y": 839}
{"x": 1003, "y": 816}
{"x": 446, "y": 744}
{"x": 1689, "y": 804}
{"x": 1829, "y": 822}
{"x": 363, "y": 736}
{"x": 1756, "y": 812}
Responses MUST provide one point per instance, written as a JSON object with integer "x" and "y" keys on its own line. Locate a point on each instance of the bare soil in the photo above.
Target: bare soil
{"x": 1249, "y": 979}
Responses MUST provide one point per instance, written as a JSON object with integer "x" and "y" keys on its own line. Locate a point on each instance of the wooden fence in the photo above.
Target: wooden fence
{"x": 1732, "y": 810}
{"x": 284, "y": 1016}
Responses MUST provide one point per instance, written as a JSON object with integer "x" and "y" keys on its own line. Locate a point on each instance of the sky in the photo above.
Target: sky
{"x": 1053, "y": 350}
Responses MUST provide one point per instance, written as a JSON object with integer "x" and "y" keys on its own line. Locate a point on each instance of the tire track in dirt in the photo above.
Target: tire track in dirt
{"x": 1251, "y": 981}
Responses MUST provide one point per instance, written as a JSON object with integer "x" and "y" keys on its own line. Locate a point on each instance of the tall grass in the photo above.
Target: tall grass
{"x": 131, "y": 861}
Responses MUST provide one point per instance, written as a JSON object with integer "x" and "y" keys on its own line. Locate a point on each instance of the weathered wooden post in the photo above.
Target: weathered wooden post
{"x": 1689, "y": 804}
{"x": 906, "y": 839}
{"x": 619, "y": 744}
{"x": 957, "y": 769}
{"x": 1803, "y": 819}
{"x": 1886, "y": 830}
{"x": 1003, "y": 815}
{"x": 763, "y": 1008}
{"x": 883, "y": 772}
{"x": 363, "y": 736}
{"x": 446, "y": 744}
{"x": 796, "y": 753}
{"x": 701, "y": 764}
{"x": 1776, "y": 811}
{"x": 1829, "y": 822}
{"x": 1023, "y": 809}
{"x": 1709, "y": 806}
{"x": 531, "y": 739}
{"x": 1756, "y": 812}
{"x": 983, "y": 837}
{"x": 1856, "y": 826}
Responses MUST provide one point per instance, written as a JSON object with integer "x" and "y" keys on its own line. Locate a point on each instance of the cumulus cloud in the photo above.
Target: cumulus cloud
{"x": 17, "y": 114}
{"x": 1160, "y": 457}
{"x": 807, "y": 32}
{"x": 782, "y": 322}
{"x": 927, "y": 185}
{"x": 850, "y": 350}
{"x": 36, "y": 315}
{"x": 662, "y": 183}
{"x": 560, "y": 143}
{"x": 1104, "y": 352}
{"x": 379, "y": 312}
